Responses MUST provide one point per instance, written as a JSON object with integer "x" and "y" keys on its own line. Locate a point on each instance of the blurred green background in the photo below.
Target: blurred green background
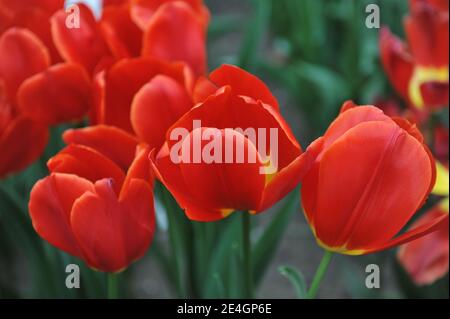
{"x": 314, "y": 55}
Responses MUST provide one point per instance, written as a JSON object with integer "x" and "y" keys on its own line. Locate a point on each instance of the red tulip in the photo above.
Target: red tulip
{"x": 142, "y": 11}
{"x": 22, "y": 139}
{"x": 97, "y": 203}
{"x": 419, "y": 70}
{"x": 84, "y": 45}
{"x": 174, "y": 33}
{"x": 208, "y": 189}
{"x": 370, "y": 175}
{"x": 33, "y": 15}
{"x": 143, "y": 95}
{"x": 426, "y": 259}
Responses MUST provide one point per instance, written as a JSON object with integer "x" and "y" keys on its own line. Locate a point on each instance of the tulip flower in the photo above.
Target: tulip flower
{"x": 426, "y": 259}
{"x": 22, "y": 139}
{"x": 418, "y": 70}
{"x": 144, "y": 96}
{"x": 215, "y": 183}
{"x": 33, "y": 15}
{"x": 97, "y": 202}
{"x": 370, "y": 175}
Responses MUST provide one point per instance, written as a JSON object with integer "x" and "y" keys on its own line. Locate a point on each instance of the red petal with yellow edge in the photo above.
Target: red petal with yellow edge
{"x": 22, "y": 55}
{"x": 59, "y": 94}
{"x": 397, "y": 62}
{"x": 214, "y": 182}
{"x": 170, "y": 175}
{"x": 175, "y": 34}
{"x": 142, "y": 11}
{"x": 115, "y": 92}
{"x": 427, "y": 33}
{"x": 51, "y": 201}
{"x": 156, "y": 107}
{"x": 21, "y": 143}
{"x": 121, "y": 34}
{"x": 226, "y": 110}
{"x": 286, "y": 180}
{"x": 111, "y": 141}
{"x": 83, "y": 45}
{"x": 381, "y": 192}
{"x": 87, "y": 163}
{"x": 113, "y": 233}
{"x": 426, "y": 259}
{"x": 243, "y": 83}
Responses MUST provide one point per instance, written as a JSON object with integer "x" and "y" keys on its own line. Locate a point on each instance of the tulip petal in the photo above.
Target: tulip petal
{"x": 175, "y": 34}
{"x": 424, "y": 229}
{"x": 113, "y": 233}
{"x": 112, "y": 142}
{"x": 37, "y": 19}
{"x": 115, "y": 92}
{"x": 139, "y": 169}
{"x": 397, "y": 62}
{"x": 383, "y": 191}
{"x": 257, "y": 120}
{"x": 156, "y": 107}
{"x": 427, "y": 33}
{"x": 87, "y": 163}
{"x": 59, "y": 94}
{"x": 50, "y": 206}
{"x": 142, "y": 11}
{"x": 426, "y": 258}
{"x": 83, "y": 45}
{"x": 435, "y": 94}
{"x": 243, "y": 83}
{"x": 350, "y": 117}
{"x": 21, "y": 143}
{"x": 22, "y": 55}
{"x": 170, "y": 175}
{"x": 217, "y": 182}
{"x": 121, "y": 34}
{"x": 286, "y": 180}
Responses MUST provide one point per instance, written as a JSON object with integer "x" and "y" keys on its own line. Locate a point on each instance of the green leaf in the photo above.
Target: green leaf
{"x": 218, "y": 264}
{"x": 255, "y": 34}
{"x": 296, "y": 278}
{"x": 267, "y": 244}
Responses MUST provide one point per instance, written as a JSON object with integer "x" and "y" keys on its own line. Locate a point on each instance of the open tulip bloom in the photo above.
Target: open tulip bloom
{"x": 217, "y": 142}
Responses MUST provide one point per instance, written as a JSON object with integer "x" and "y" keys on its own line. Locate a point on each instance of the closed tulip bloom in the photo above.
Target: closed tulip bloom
{"x": 210, "y": 189}
{"x": 371, "y": 174}
{"x": 97, "y": 202}
{"x": 418, "y": 69}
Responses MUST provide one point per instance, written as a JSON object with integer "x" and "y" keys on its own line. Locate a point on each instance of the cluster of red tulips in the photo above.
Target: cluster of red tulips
{"x": 140, "y": 70}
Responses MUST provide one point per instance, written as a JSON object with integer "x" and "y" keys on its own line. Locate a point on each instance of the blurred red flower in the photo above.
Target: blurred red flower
{"x": 426, "y": 259}
{"x": 371, "y": 174}
{"x": 418, "y": 70}
{"x": 233, "y": 99}
{"x": 97, "y": 203}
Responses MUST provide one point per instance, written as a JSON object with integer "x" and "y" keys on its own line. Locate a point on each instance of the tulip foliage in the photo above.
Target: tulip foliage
{"x": 161, "y": 155}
